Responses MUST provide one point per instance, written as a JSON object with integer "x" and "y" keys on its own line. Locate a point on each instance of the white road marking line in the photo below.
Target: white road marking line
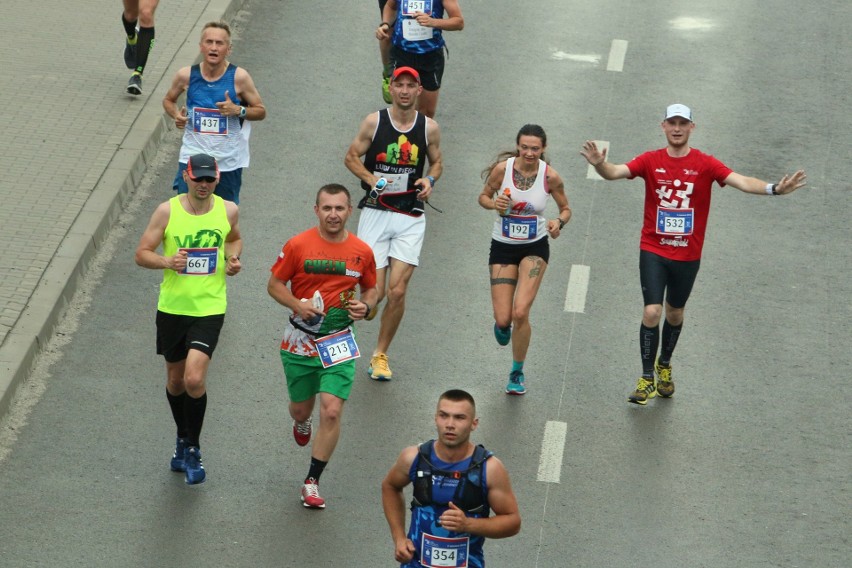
{"x": 617, "y": 51}
{"x": 552, "y": 447}
{"x": 591, "y": 173}
{"x": 558, "y": 55}
{"x": 578, "y": 286}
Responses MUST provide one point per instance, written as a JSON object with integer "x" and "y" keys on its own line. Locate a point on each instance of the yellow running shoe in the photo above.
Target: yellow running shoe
{"x": 644, "y": 392}
{"x": 665, "y": 384}
{"x": 379, "y": 369}
{"x": 386, "y": 90}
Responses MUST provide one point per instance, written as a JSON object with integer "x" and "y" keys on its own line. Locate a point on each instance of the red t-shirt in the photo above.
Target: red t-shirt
{"x": 677, "y": 200}
{"x": 309, "y": 263}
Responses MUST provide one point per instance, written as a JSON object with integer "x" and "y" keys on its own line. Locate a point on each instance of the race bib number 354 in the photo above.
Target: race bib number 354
{"x": 436, "y": 551}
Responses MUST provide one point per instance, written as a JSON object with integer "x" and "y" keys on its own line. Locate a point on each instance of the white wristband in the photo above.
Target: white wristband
{"x": 770, "y": 189}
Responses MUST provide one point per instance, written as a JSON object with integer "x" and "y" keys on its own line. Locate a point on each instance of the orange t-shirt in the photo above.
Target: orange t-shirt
{"x": 310, "y": 263}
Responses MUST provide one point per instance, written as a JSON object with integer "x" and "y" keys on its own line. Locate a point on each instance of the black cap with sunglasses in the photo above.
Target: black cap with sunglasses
{"x": 202, "y": 166}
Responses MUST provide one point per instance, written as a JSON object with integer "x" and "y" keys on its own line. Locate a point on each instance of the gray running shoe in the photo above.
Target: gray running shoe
{"x": 134, "y": 85}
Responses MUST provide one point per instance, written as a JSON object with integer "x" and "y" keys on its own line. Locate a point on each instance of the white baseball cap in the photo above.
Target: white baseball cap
{"x": 678, "y": 110}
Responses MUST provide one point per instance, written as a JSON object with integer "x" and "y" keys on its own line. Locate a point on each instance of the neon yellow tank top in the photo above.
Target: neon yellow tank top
{"x": 200, "y": 289}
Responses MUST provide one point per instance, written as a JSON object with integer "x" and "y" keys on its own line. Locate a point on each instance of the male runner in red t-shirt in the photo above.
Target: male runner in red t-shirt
{"x": 678, "y": 181}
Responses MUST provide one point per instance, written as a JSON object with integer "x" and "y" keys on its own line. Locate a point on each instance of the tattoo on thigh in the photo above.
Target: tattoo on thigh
{"x": 512, "y": 281}
{"x": 536, "y": 269}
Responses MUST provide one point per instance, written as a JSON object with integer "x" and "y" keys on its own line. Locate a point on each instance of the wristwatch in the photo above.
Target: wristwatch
{"x": 243, "y": 111}
{"x": 431, "y": 180}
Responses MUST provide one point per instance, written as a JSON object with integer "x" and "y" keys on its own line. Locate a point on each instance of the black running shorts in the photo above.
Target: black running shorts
{"x": 176, "y": 335}
{"x": 505, "y": 253}
{"x": 659, "y": 275}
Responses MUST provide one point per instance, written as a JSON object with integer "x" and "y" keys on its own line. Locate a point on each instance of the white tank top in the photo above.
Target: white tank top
{"x": 525, "y": 223}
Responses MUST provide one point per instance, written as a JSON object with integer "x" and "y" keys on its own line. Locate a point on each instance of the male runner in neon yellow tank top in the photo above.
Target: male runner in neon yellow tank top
{"x": 201, "y": 244}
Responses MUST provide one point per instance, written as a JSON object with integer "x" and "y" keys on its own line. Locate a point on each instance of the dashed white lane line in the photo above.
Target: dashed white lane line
{"x": 552, "y": 447}
{"x": 617, "y": 52}
{"x": 578, "y": 286}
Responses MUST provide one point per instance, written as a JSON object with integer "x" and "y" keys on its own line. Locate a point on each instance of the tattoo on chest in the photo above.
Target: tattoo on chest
{"x": 521, "y": 181}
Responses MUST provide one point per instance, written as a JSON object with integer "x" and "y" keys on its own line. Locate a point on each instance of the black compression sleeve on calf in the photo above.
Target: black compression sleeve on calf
{"x": 177, "y": 403}
{"x": 144, "y": 45}
{"x": 649, "y": 339}
{"x": 194, "y": 409}
{"x": 129, "y": 27}
{"x": 671, "y": 333}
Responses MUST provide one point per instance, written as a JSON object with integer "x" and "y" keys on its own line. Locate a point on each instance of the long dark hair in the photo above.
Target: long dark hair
{"x": 526, "y": 130}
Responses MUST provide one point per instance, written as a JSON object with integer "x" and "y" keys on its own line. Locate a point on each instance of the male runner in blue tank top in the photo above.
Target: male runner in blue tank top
{"x": 455, "y": 489}
{"x": 221, "y": 99}
{"x": 415, "y": 29}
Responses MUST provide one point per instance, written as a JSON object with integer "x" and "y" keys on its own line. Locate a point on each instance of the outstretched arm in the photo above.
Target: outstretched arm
{"x": 598, "y": 159}
{"x": 788, "y": 184}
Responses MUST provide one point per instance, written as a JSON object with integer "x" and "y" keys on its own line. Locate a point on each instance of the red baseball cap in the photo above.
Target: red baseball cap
{"x": 402, "y": 71}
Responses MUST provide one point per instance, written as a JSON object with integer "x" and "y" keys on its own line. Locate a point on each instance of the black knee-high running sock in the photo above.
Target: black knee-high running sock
{"x": 316, "y": 469}
{"x": 129, "y": 27}
{"x": 145, "y": 44}
{"x": 194, "y": 409}
{"x": 649, "y": 339}
{"x": 177, "y": 403}
{"x": 671, "y": 333}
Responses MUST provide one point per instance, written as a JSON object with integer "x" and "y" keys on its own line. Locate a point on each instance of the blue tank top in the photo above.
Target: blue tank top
{"x": 207, "y": 131}
{"x": 430, "y": 539}
{"x": 411, "y": 36}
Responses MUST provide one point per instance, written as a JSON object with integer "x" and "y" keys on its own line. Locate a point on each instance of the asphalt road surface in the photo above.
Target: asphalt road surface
{"x": 747, "y": 466}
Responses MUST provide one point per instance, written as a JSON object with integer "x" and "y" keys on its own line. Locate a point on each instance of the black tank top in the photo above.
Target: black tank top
{"x": 396, "y": 153}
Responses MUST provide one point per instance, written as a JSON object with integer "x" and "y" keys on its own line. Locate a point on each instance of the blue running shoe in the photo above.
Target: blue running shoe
{"x": 503, "y": 335}
{"x": 195, "y": 473}
{"x": 179, "y": 457}
{"x": 516, "y": 383}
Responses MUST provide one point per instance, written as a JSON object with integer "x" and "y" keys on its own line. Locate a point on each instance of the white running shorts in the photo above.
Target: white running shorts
{"x": 392, "y": 235}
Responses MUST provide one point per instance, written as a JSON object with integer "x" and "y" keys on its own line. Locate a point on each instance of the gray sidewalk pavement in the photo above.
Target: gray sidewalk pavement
{"x": 76, "y": 148}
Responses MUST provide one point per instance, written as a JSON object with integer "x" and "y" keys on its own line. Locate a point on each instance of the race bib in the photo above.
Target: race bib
{"x": 410, "y": 7}
{"x": 674, "y": 221}
{"x": 437, "y": 551}
{"x": 520, "y": 228}
{"x": 201, "y": 261}
{"x": 336, "y": 348}
{"x": 397, "y": 183}
{"x": 209, "y": 121}
{"x": 411, "y": 30}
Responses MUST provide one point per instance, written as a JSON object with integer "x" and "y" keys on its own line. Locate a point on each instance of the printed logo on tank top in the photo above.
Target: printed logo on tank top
{"x": 205, "y": 238}
{"x": 400, "y": 153}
